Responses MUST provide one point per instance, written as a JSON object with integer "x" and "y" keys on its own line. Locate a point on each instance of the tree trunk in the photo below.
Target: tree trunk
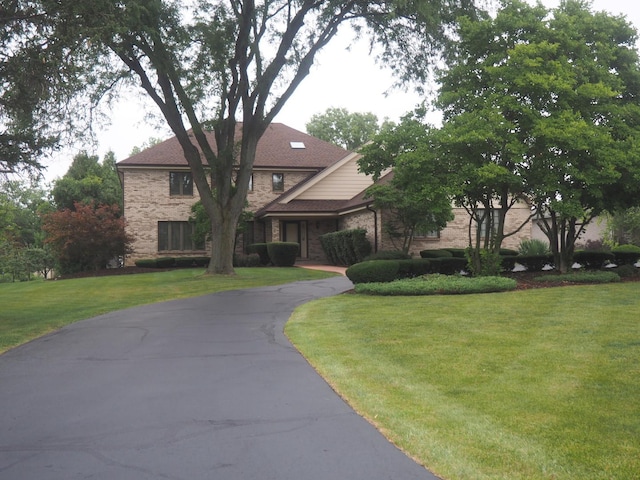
{"x": 222, "y": 245}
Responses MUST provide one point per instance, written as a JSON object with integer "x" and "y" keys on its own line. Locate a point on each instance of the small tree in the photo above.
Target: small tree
{"x": 86, "y": 238}
{"x": 417, "y": 194}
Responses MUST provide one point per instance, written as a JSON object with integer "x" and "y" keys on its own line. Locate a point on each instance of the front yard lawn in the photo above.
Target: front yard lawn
{"x": 534, "y": 384}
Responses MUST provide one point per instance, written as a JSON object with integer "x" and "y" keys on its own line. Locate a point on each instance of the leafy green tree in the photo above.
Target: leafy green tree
{"x": 544, "y": 105}
{"x": 417, "y": 194}
{"x": 89, "y": 182}
{"x": 342, "y": 128}
{"x": 211, "y": 64}
{"x": 38, "y": 83}
{"x": 625, "y": 226}
{"x": 21, "y": 204}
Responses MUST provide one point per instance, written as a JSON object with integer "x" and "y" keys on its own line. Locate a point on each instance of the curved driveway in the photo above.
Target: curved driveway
{"x": 202, "y": 388}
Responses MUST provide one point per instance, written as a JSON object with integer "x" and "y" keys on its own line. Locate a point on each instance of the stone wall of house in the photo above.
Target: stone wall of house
{"x": 362, "y": 219}
{"x": 456, "y": 235}
{"x": 147, "y": 203}
{"x": 262, "y": 192}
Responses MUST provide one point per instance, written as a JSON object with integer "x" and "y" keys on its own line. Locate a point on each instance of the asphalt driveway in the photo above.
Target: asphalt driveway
{"x": 203, "y": 388}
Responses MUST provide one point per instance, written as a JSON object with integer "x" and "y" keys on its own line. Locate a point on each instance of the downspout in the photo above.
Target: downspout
{"x": 375, "y": 228}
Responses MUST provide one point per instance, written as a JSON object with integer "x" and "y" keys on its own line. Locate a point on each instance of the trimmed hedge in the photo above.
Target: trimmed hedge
{"x": 388, "y": 255}
{"x": 449, "y": 265}
{"x": 435, "y": 253}
{"x": 508, "y": 262}
{"x": 626, "y": 254}
{"x": 534, "y": 263}
{"x": 173, "y": 262}
{"x": 346, "y": 247}
{"x": 457, "y": 252}
{"x": 593, "y": 259}
{"x": 283, "y": 254}
{"x": 373, "y": 271}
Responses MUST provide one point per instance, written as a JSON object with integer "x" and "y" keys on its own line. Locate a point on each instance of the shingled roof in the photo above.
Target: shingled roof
{"x": 280, "y": 147}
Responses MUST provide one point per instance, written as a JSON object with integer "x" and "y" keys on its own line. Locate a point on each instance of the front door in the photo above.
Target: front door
{"x": 296, "y": 232}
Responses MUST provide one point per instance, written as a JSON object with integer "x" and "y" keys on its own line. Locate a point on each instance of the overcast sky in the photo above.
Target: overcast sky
{"x": 341, "y": 78}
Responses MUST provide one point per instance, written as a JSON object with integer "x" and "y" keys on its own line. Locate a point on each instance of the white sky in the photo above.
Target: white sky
{"x": 341, "y": 78}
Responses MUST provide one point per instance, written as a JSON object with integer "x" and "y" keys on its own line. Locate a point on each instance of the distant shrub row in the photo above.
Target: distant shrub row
{"x": 589, "y": 259}
{"x": 173, "y": 262}
{"x": 346, "y": 247}
{"x": 279, "y": 254}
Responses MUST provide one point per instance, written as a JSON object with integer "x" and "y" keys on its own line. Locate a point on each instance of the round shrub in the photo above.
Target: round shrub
{"x": 626, "y": 254}
{"x": 373, "y": 271}
{"x": 283, "y": 254}
{"x": 251, "y": 260}
{"x": 628, "y": 271}
{"x": 261, "y": 250}
{"x": 435, "y": 253}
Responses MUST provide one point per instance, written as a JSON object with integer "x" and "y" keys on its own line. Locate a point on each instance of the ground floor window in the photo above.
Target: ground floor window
{"x": 176, "y": 236}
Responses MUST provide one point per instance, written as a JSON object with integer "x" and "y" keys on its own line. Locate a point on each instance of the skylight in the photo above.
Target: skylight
{"x": 297, "y": 145}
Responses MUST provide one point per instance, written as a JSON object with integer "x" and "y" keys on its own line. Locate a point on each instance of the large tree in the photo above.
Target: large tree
{"x": 343, "y": 128}
{"x": 546, "y": 104}
{"x": 88, "y": 181}
{"x": 230, "y": 66}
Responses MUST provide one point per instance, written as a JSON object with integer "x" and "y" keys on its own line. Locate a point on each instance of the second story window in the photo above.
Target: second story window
{"x": 277, "y": 182}
{"x": 180, "y": 184}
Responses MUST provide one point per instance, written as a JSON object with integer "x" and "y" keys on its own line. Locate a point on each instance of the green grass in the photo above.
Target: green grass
{"x": 536, "y": 384}
{"x": 31, "y": 309}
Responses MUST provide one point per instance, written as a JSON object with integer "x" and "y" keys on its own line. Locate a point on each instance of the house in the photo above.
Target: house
{"x": 301, "y": 188}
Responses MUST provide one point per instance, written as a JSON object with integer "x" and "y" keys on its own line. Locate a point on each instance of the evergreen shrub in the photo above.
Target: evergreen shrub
{"x": 458, "y": 252}
{"x": 261, "y": 250}
{"x": 283, "y": 254}
{"x": 250, "y": 260}
{"x": 388, "y": 255}
{"x": 448, "y": 265}
{"x": 593, "y": 259}
{"x": 626, "y": 254}
{"x": 373, "y": 271}
{"x": 534, "y": 263}
{"x": 346, "y": 247}
{"x": 435, "y": 253}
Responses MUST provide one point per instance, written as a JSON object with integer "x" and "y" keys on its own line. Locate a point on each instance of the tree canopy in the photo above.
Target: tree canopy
{"x": 342, "y": 128}
{"x": 89, "y": 182}
{"x": 226, "y": 66}
{"x": 545, "y": 106}
{"x": 417, "y": 193}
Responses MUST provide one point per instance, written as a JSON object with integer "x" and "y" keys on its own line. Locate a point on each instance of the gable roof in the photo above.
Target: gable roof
{"x": 280, "y": 147}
